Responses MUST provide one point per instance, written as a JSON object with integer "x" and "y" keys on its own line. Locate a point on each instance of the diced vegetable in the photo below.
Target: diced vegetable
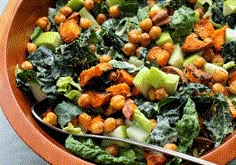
{"x": 209, "y": 68}
{"x": 76, "y": 5}
{"x": 190, "y": 59}
{"x": 164, "y": 37}
{"x": 177, "y": 57}
{"x": 229, "y": 7}
{"x": 230, "y": 34}
{"x": 137, "y": 134}
{"x": 141, "y": 121}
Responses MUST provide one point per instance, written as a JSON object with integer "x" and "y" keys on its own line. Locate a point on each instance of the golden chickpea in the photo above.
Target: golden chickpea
{"x": 117, "y": 102}
{"x": 151, "y": 94}
{"x": 134, "y": 36}
{"x": 66, "y": 11}
{"x": 119, "y": 122}
{"x": 92, "y": 48}
{"x": 42, "y": 22}
{"x": 199, "y": 62}
{"x": 97, "y": 128}
{"x": 220, "y": 75}
{"x": 85, "y": 23}
{"x": 109, "y": 111}
{"x": 145, "y": 39}
{"x": 101, "y": 18}
{"x": 27, "y": 65}
{"x": 171, "y": 146}
{"x": 84, "y": 100}
{"x": 104, "y": 58}
{"x": 161, "y": 93}
{"x": 218, "y": 88}
{"x": 84, "y": 119}
{"x": 154, "y": 123}
{"x": 155, "y": 32}
{"x": 152, "y": 13}
{"x": 129, "y": 49}
{"x": 114, "y": 11}
{"x": 112, "y": 149}
{"x": 200, "y": 11}
{"x": 169, "y": 47}
{"x": 89, "y": 4}
{"x": 217, "y": 59}
{"x": 112, "y": 76}
{"x": 59, "y": 18}
{"x": 109, "y": 124}
{"x": 30, "y": 47}
{"x": 50, "y": 118}
{"x": 232, "y": 87}
{"x": 146, "y": 24}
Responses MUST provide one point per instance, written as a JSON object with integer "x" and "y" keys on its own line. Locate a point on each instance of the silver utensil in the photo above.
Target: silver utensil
{"x": 39, "y": 108}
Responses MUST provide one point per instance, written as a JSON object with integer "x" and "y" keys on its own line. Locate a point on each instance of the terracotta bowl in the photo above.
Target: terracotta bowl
{"x": 17, "y": 24}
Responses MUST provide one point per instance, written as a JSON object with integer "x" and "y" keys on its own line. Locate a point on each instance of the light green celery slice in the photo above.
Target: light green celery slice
{"x": 177, "y": 57}
{"x": 76, "y": 5}
{"x": 209, "y": 68}
{"x": 230, "y": 34}
{"x": 229, "y": 7}
{"x": 137, "y": 134}
{"x": 86, "y": 14}
{"x": 190, "y": 59}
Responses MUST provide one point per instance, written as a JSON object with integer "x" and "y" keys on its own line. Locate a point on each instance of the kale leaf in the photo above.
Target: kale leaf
{"x": 87, "y": 149}
{"x": 65, "y": 112}
{"x": 171, "y": 3}
{"x": 229, "y": 51}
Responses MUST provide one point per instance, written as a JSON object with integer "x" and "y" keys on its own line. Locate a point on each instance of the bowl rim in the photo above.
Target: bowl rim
{"x": 218, "y": 155}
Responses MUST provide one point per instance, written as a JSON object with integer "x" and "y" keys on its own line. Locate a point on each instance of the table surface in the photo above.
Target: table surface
{"x": 13, "y": 150}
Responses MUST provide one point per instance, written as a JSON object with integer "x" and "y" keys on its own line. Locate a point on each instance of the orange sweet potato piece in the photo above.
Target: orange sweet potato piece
{"x": 69, "y": 30}
{"x": 197, "y": 75}
{"x": 232, "y": 109}
{"x": 153, "y": 158}
{"x": 204, "y": 28}
{"x": 125, "y": 77}
{"x": 162, "y": 56}
{"x": 99, "y": 99}
{"x": 95, "y": 71}
{"x": 218, "y": 38}
{"x": 128, "y": 109}
{"x": 193, "y": 44}
{"x": 119, "y": 89}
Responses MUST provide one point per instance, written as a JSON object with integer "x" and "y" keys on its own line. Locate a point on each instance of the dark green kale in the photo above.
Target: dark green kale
{"x": 175, "y": 4}
{"x": 218, "y": 17}
{"x": 229, "y": 51}
{"x": 148, "y": 108}
{"x": 129, "y": 8}
{"x": 87, "y": 149}
{"x": 65, "y": 112}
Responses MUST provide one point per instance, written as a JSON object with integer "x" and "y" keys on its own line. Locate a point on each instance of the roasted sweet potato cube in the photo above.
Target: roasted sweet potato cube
{"x": 125, "y": 77}
{"x": 193, "y": 44}
{"x": 119, "y": 89}
{"x": 204, "y": 28}
{"x": 99, "y": 99}
{"x": 95, "y": 71}
{"x": 69, "y": 30}
{"x": 218, "y": 38}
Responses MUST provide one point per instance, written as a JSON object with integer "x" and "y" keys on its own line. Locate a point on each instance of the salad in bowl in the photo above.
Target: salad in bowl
{"x": 160, "y": 72}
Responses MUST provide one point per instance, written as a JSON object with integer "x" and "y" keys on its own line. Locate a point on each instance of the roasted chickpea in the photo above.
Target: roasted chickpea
{"x": 112, "y": 149}
{"x": 50, "y": 118}
{"x": 232, "y": 87}
{"x": 66, "y": 11}
{"x": 146, "y": 24}
{"x": 84, "y": 100}
{"x": 27, "y": 65}
{"x": 104, "y": 58}
{"x": 42, "y": 22}
{"x": 114, "y": 11}
{"x": 109, "y": 124}
{"x": 154, "y": 123}
{"x": 59, "y": 18}
{"x": 220, "y": 75}
{"x": 135, "y": 91}
{"x": 161, "y": 93}
{"x": 101, "y": 18}
{"x": 169, "y": 47}
{"x": 219, "y": 88}
{"x": 217, "y": 59}
{"x": 153, "y": 12}
{"x": 113, "y": 76}
{"x": 117, "y": 102}
{"x": 92, "y": 48}
{"x": 155, "y": 32}
{"x": 134, "y": 36}
{"x": 97, "y": 128}
{"x": 129, "y": 49}
{"x": 145, "y": 39}
{"x": 199, "y": 62}
{"x": 151, "y": 94}
{"x": 89, "y": 4}
{"x": 171, "y": 146}
{"x": 84, "y": 119}
{"x": 200, "y": 11}
{"x": 119, "y": 122}
{"x": 30, "y": 47}
{"x": 85, "y": 23}
{"x": 109, "y": 111}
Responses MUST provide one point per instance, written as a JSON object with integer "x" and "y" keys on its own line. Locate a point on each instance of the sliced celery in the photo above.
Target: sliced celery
{"x": 141, "y": 81}
{"x": 177, "y": 57}
{"x": 190, "y": 59}
{"x": 76, "y": 5}
{"x": 209, "y": 68}
{"x": 230, "y": 34}
{"x": 86, "y": 14}
{"x": 229, "y": 7}
{"x": 141, "y": 121}
{"x": 137, "y": 134}
{"x": 164, "y": 37}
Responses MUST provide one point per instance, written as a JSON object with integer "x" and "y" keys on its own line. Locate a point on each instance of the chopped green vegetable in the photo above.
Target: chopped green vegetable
{"x": 229, "y": 7}
{"x": 177, "y": 57}
{"x": 141, "y": 121}
{"x": 230, "y": 34}
{"x": 71, "y": 129}
{"x": 76, "y": 5}
{"x": 164, "y": 37}
{"x": 137, "y": 134}
{"x": 190, "y": 59}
